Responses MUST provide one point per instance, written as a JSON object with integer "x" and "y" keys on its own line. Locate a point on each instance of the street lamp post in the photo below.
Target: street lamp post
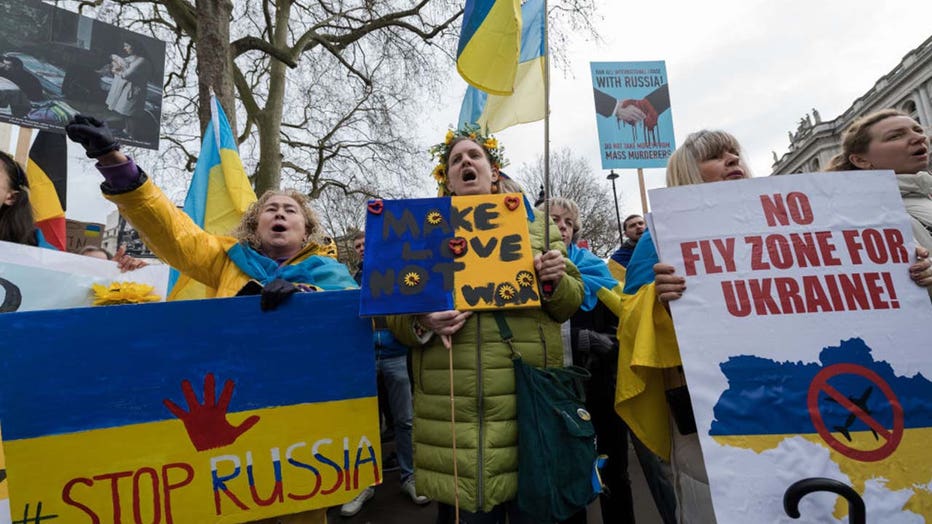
{"x": 612, "y": 175}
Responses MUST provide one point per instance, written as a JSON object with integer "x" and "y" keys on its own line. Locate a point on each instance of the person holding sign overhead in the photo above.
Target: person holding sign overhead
{"x": 891, "y": 139}
{"x": 278, "y": 247}
{"x": 482, "y": 480}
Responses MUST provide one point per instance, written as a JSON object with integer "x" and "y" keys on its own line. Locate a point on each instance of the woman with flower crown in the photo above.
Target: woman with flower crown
{"x": 484, "y": 483}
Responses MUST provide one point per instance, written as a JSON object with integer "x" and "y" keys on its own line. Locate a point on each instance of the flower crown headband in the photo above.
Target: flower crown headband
{"x": 441, "y": 151}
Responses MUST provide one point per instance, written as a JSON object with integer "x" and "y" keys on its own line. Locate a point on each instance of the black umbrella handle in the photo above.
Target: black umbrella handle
{"x": 801, "y": 488}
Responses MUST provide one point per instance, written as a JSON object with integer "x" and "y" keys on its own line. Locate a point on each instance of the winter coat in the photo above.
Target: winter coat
{"x": 916, "y": 191}
{"x": 176, "y": 239}
{"x": 484, "y": 391}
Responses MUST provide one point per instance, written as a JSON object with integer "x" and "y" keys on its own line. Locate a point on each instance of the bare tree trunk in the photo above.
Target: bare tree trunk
{"x": 214, "y": 61}
{"x": 269, "y": 172}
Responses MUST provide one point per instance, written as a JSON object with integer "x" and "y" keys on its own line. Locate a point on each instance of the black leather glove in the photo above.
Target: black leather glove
{"x": 275, "y": 293}
{"x": 93, "y": 135}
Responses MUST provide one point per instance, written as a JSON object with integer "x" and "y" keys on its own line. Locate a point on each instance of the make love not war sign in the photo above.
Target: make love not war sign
{"x": 435, "y": 254}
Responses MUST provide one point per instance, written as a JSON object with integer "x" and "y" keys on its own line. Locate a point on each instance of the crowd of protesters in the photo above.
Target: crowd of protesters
{"x": 279, "y": 249}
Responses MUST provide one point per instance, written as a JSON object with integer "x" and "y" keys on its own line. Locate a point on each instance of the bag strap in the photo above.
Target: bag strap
{"x": 577, "y": 372}
{"x": 505, "y": 331}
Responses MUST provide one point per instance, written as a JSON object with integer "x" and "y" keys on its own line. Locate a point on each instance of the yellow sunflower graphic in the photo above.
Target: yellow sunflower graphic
{"x": 412, "y": 279}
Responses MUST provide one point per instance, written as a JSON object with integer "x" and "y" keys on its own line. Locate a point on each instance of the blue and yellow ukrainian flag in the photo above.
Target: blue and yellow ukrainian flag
{"x": 220, "y": 193}
{"x": 617, "y": 270}
{"x": 526, "y": 104}
{"x": 92, "y": 230}
{"x": 487, "y": 56}
{"x": 283, "y": 424}
{"x": 646, "y": 347}
{"x": 598, "y": 282}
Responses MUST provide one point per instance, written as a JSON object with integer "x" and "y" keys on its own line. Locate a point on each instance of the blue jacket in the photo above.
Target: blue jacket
{"x": 386, "y": 345}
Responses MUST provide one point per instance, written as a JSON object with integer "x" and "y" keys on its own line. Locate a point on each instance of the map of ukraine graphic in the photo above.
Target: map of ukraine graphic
{"x": 766, "y": 398}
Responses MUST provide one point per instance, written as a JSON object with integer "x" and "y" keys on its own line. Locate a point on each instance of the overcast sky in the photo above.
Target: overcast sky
{"x": 751, "y": 67}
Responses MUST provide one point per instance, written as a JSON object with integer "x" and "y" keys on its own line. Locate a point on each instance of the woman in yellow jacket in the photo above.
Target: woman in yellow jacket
{"x": 276, "y": 246}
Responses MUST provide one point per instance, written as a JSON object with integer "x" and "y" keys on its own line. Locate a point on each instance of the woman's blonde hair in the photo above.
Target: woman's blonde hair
{"x": 569, "y": 205}
{"x": 506, "y": 184}
{"x": 683, "y": 166}
{"x": 247, "y": 230}
{"x": 857, "y": 139}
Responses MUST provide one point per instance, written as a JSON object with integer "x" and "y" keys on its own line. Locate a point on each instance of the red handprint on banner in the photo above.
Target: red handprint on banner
{"x": 207, "y": 423}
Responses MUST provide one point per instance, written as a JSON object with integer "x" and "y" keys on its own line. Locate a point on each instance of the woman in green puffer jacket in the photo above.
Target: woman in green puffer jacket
{"x": 486, "y": 482}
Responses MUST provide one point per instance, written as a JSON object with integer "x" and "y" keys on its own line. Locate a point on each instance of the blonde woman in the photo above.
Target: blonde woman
{"x": 277, "y": 246}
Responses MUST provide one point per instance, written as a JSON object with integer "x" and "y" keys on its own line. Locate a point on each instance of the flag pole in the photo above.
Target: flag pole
{"x": 546, "y": 288}
{"x": 546, "y": 37}
{"x": 643, "y": 191}
{"x": 23, "y": 139}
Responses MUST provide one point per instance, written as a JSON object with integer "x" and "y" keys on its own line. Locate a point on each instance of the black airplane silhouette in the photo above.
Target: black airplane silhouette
{"x": 860, "y": 402}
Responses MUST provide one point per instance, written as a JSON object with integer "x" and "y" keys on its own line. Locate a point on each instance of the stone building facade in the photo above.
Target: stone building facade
{"x": 907, "y": 87}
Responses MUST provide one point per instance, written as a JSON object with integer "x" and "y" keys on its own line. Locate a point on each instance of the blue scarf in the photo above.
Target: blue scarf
{"x": 595, "y": 274}
{"x": 528, "y": 207}
{"x": 323, "y": 272}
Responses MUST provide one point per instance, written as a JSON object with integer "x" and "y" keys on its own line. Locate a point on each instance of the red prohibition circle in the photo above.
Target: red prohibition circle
{"x": 892, "y": 436}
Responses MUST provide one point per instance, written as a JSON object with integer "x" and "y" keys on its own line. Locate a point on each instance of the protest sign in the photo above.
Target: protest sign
{"x": 82, "y": 234}
{"x": 436, "y": 254}
{"x": 632, "y": 105}
{"x": 803, "y": 341}
{"x": 194, "y": 411}
{"x": 56, "y": 63}
{"x": 33, "y": 278}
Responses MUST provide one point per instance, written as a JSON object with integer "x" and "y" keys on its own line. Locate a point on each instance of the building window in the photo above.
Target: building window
{"x": 814, "y": 165}
{"x": 909, "y": 107}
